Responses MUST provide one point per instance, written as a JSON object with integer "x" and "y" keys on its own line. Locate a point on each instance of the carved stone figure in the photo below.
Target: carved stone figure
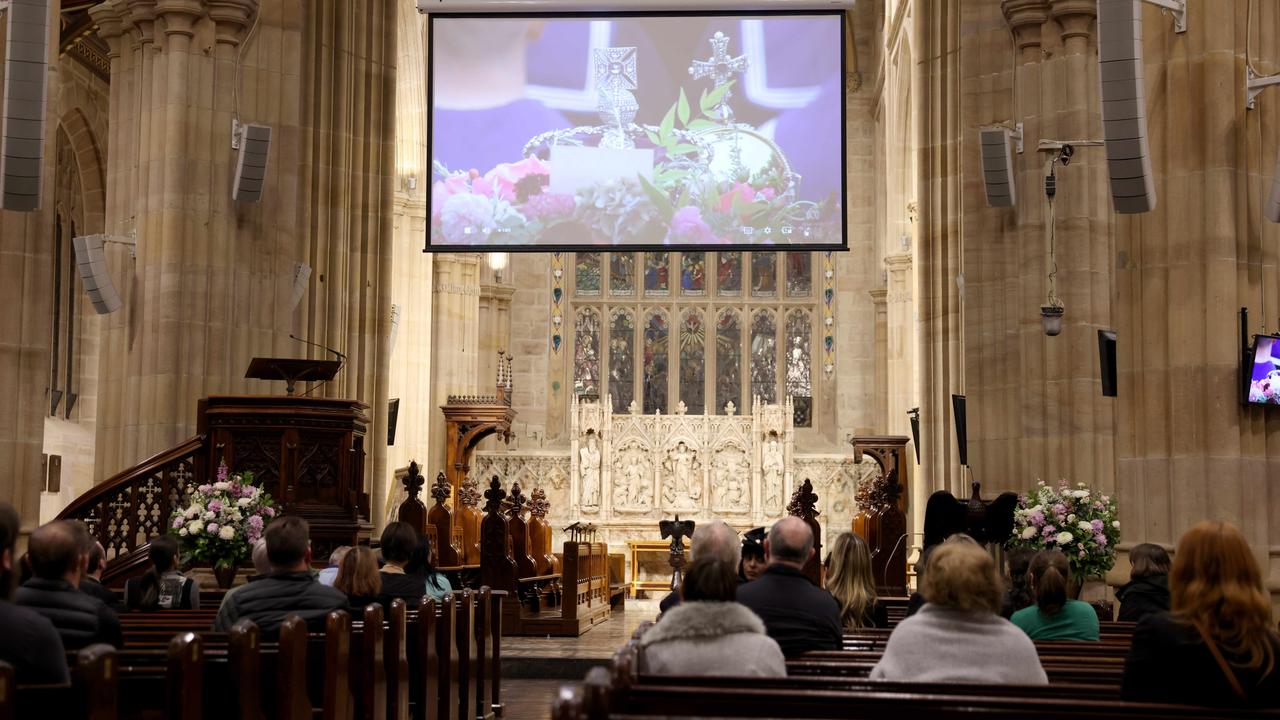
{"x": 589, "y": 470}
{"x": 632, "y": 488}
{"x": 681, "y": 488}
{"x": 730, "y": 476}
{"x": 772, "y": 466}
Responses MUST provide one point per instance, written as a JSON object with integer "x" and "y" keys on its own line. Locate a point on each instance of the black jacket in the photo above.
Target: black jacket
{"x": 1170, "y": 663}
{"x": 799, "y": 615}
{"x": 32, "y": 646}
{"x": 269, "y": 598}
{"x": 91, "y": 586}
{"x": 409, "y": 588}
{"x": 1143, "y": 597}
{"x": 81, "y": 619}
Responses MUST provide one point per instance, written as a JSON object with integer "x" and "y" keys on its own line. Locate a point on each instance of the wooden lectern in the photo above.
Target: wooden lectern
{"x": 292, "y": 370}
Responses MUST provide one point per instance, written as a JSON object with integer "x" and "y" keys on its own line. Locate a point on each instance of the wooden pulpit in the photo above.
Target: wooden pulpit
{"x": 292, "y": 370}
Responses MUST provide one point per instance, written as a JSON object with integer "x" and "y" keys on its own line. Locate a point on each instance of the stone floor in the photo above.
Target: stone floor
{"x": 534, "y": 668}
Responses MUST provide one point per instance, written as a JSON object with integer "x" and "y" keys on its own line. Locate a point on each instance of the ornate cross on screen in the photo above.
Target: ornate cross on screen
{"x": 616, "y": 77}
{"x": 721, "y": 67}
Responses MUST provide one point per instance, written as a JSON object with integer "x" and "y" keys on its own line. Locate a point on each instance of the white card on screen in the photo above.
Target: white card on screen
{"x": 575, "y": 168}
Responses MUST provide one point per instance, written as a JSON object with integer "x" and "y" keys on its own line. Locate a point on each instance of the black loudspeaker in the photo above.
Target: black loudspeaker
{"x": 962, "y": 429}
{"x": 1107, "y": 361}
{"x": 914, "y": 414}
{"x": 393, "y": 414}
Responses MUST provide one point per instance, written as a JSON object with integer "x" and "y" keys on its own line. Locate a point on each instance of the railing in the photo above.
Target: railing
{"x": 128, "y": 509}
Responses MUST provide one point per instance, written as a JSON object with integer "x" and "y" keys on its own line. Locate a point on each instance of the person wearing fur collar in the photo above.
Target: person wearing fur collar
{"x": 709, "y": 633}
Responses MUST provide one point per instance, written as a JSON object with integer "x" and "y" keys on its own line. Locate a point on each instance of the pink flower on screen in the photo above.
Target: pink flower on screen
{"x": 444, "y": 189}
{"x": 549, "y": 206}
{"x": 687, "y": 226}
{"x": 507, "y": 175}
{"x": 466, "y": 218}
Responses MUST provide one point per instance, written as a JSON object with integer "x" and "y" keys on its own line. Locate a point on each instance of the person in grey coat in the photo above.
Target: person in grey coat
{"x": 708, "y": 634}
{"x": 958, "y": 635}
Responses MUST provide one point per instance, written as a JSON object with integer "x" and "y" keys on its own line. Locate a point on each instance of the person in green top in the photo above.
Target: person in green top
{"x": 1054, "y": 616}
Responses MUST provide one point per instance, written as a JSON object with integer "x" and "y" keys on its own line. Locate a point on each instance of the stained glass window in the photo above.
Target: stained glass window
{"x": 622, "y": 273}
{"x": 655, "y": 274}
{"x": 764, "y": 356}
{"x": 764, "y": 274}
{"x": 588, "y": 273}
{"x": 799, "y": 363}
{"x": 586, "y": 353}
{"x": 692, "y": 358}
{"x": 729, "y": 273}
{"x": 622, "y": 359}
{"x": 693, "y": 280}
{"x": 728, "y": 360}
{"x": 655, "y": 363}
{"x": 799, "y": 274}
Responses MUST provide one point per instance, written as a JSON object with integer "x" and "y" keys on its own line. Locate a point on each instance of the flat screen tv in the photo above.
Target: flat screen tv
{"x": 665, "y": 130}
{"x": 1264, "y": 371}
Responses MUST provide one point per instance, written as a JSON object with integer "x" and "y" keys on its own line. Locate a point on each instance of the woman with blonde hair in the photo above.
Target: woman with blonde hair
{"x": 358, "y": 577}
{"x": 850, "y": 582}
{"x": 958, "y": 635}
{"x": 1219, "y": 645}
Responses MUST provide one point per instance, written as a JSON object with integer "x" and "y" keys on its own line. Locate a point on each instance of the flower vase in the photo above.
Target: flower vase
{"x": 225, "y": 575}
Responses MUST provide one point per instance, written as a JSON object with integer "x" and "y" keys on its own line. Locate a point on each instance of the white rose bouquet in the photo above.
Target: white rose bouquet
{"x": 1077, "y": 521}
{"x": 223, "y": 519}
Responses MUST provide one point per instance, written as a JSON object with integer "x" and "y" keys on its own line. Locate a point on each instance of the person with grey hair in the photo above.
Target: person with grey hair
{"x": 796, "y": 613}
{"x": 713, "y": 539}
{"x": 260, "y": 565}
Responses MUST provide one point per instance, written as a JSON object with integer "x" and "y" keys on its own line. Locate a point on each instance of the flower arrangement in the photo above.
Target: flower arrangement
{"x": 1266, "y": 389}
{"x": 1077, "y": 521}
{"x": 223, "y": 519}
{"x": 683, "y": 204}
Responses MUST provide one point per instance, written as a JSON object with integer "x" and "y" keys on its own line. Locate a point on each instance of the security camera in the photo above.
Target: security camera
{"x": 1064, "y": 155}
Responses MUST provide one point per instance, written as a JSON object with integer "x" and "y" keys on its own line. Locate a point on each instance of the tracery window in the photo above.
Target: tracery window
{"x": 703, "y": 328}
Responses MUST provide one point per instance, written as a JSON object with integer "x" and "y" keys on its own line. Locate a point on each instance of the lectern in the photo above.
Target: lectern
{"x": 292, "y": 370}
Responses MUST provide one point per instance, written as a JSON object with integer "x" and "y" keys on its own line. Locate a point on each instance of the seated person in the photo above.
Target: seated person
{"x": 1055, "y": 616}
{"x": 290, "y": 589}
{"x": 1218, "y": 647}
{"x": 328, "y": 575}
{"x": 163, "y": 587}
{"x": 958, "y": 635}
{"x": 359, "y": 578}
{"x": 59, "y": 554}
{"x": 709, "y": 633}
{"x": 850, "y": 582}
{"x": 91, "y": 583}
{"x": 398, "y": 542}
{"x": 799, "y": 615}
{"x": 1018, "y": 595}
{"x": 420, "y": 565}
{"x": 29, "y": 642}
{"x": 260, "y": 566}
{"x": 752, "y": 564}
{"x": 714, "y": 538}
{"x": 1147, "y": 592}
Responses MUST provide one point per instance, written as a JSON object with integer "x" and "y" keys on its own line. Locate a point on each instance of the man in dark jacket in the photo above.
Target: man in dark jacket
{"x": 797, "y": 614}
{"x": 91, "y": 583}
{"x": 59, "y": 554}
{"x": 290, "y": 589}
{"x": 29, "y": 641}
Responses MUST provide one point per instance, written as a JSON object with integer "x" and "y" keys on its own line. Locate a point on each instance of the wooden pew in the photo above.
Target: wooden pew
{"x": 184, "y": 684}
{"x": 90, "y": 696}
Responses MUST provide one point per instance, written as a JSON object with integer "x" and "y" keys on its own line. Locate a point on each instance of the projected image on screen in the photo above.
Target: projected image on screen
{"x": 1264, "y": 381}
{"x": 685, "y": 130}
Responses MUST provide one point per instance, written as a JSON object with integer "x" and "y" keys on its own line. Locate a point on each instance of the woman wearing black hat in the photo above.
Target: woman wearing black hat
{"x": 753, "y": 562}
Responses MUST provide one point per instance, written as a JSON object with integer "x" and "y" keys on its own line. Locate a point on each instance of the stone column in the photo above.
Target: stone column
{"x": 26, "y": 240}
{"x": 883, "y": 364}
{"x": 455, "y": 363}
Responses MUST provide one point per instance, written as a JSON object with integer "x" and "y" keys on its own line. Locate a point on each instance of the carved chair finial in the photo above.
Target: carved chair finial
{"x": 515, "y": 502}
{"x": 538, "y": 505}
{"x": 441, "y": 490}
{"x": 469, "y": 494}
{"x": 494, "y": 495}
{"x": 413, "y": 481}
{"x": 804, "y": 502}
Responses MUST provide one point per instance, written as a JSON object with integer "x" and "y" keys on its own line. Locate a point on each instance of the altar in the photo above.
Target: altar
{"x": 623, "y": 473}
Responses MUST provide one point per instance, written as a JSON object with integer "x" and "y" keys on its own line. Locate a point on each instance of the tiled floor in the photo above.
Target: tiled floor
{"x": 529, "y": 699}
{"x": 599, "y": 643}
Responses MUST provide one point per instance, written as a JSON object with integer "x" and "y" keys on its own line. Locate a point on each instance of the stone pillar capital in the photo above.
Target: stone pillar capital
{"x": 1076, "y": 17}
{"x": 1025, "y": 17}
{"x": 110, "y": 21}
{"x": 140, "y": 19}
{"x": 179, "y": 16}
{"x": 233, "y": 19}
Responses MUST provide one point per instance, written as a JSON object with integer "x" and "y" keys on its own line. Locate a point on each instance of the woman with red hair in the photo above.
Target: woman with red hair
{"x": 1218, "y": 646}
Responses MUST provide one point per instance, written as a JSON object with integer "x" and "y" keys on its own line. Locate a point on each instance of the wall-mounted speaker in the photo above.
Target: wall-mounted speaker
{"x": 1272, "y": 209}
{"x": 25, "y": 89}
{"x": 301, "y": 274}
{"x": 92, "y": 263}
{"x": 393, "y": 416}
{"x": 962, "y": 428}
{"x": 997, "y": 167}
{"x": 1124, "y": 105}
{"x": 395, "y": 329}
{"x": 914, "y": 415}
{"x": 251, "y": 163}
{"x": 1107, "y": 361}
